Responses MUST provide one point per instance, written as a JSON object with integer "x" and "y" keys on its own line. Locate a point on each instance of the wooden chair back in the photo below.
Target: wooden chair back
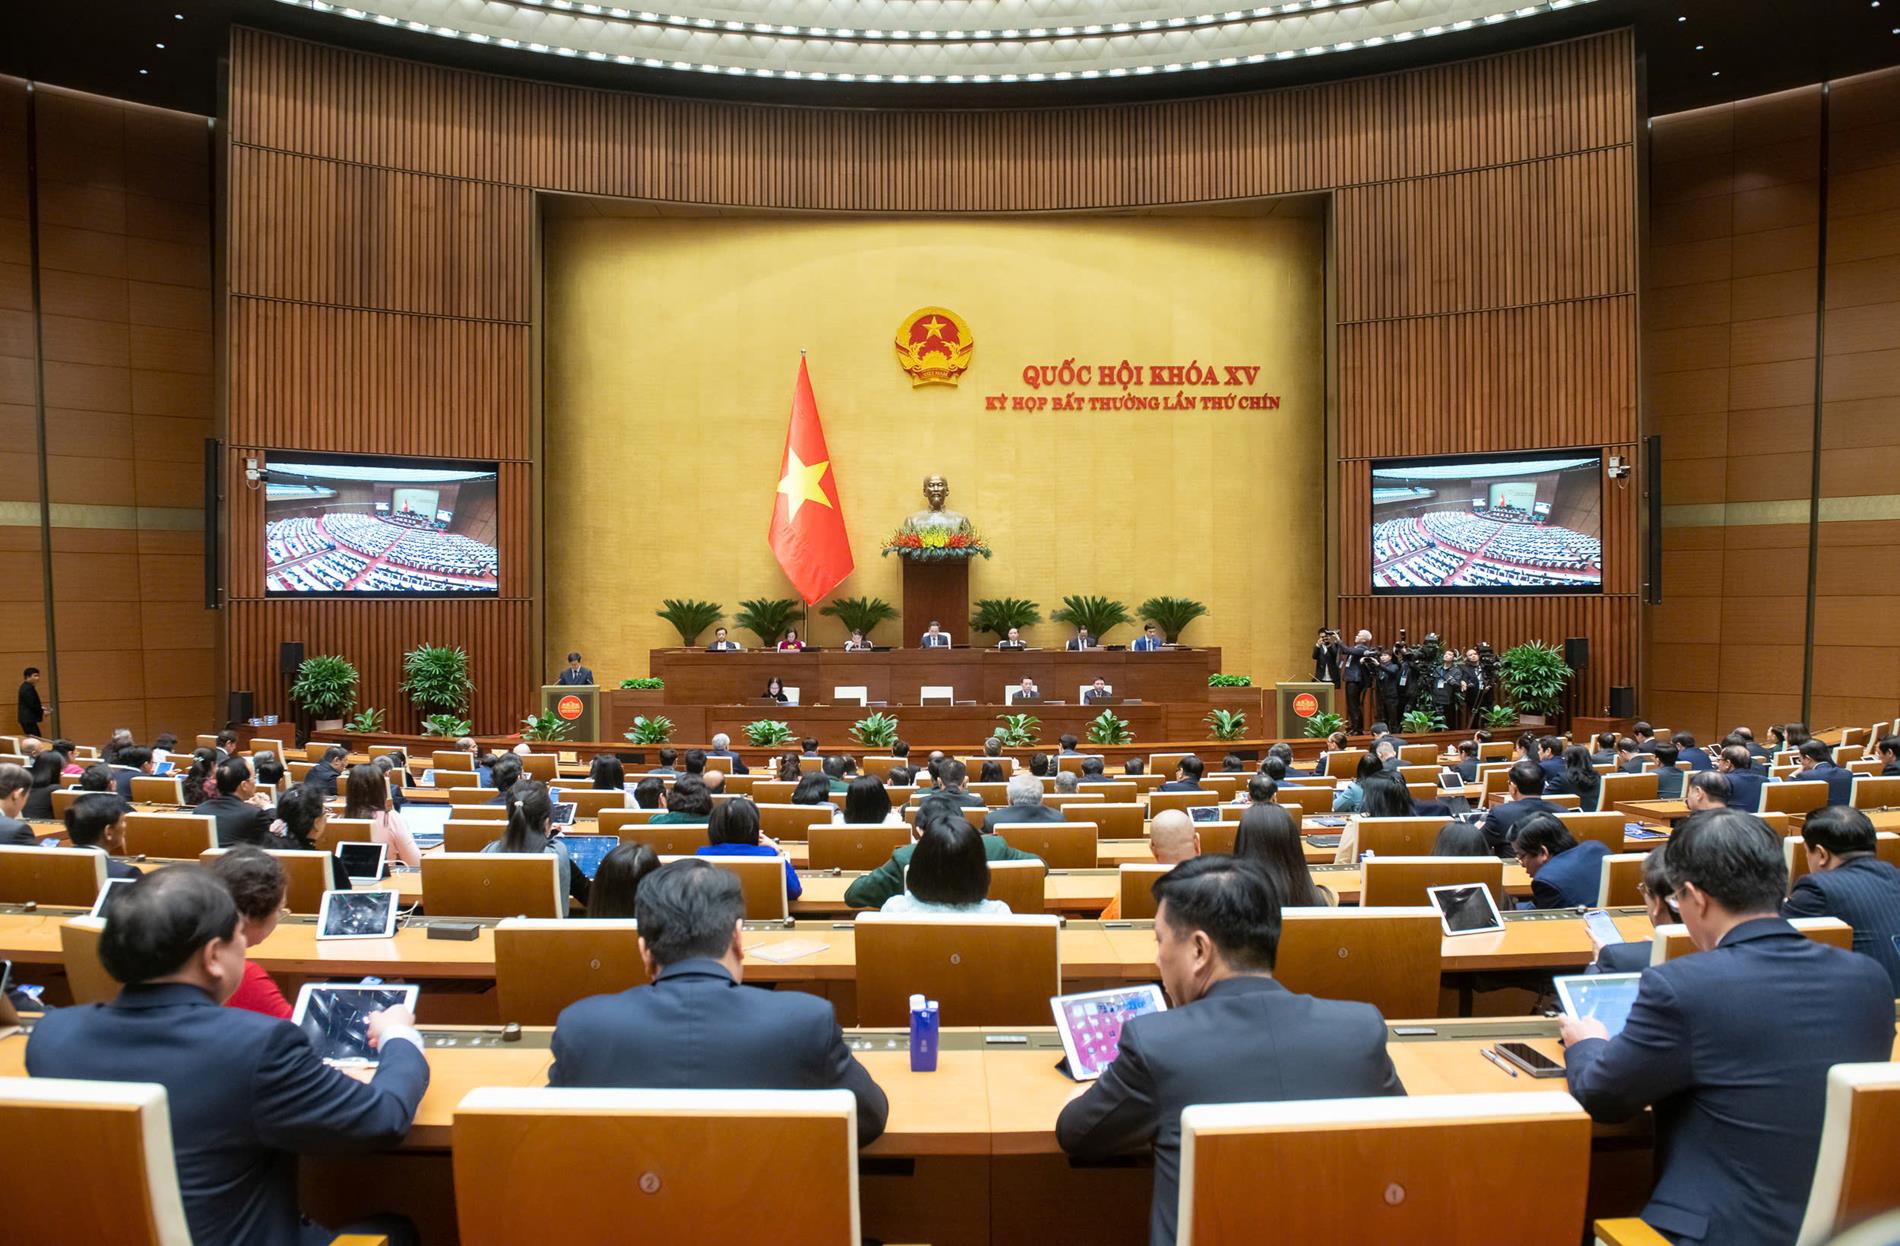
{"x": 1157, "y": 801}
{"x": 492, "y": 884}
{"x": 479, "y": 813}
{"x": 298, "y": 770}
{"x": 1496, "y": 750}
{"x": 1804, "y": 796}
{"x": 461, "y": 796}
{"x": 1389, "y": 958}
{"x": 1422, "y": 792}
{"x": 124, "y": 1131}
{"x": 1060, "y": 845}
{"x": 761, "y": 879}
{"x": 773, "y": 791}
{"x": 1118, "y": 820}
{"x": 1343, "y": 763}
{"x": 1019, "y": 884}
{"x": 1673, "y": 940}
{"x": 1493, "y": 784}
{"x": 1089, "y": 800}
{"x": 544, "y": 964}
{"x": 1165, "y": 764}
{"x": 1613, "y": 788}
{"x": 676, "y": 1147}
{"x": 854, "y": 847}
{"x": 989, "y": 793}
{"x": 1135, "y": 885}
{"x": 459, "y": 781}
{"x": 668, "y": 839}
{"x": 1795, "y": 850}
{"x": 1621, "y": 878}
{"x": 1606, "y": 828}
{"x": 1393, "y": 882}
{"x": 348, "y": 831}
{"x": 67, "y": 877}
{"x": 306, "y": 876}
{"x": 1071, "y": 763}
{"x": 79, "y": 953}
{"x": 1398, "y": 837}
{"x": 1309, "y": 801}
{"x": 171, "y": 836}
{"x": 1113, "y": 791}
{"x": 1419, "y": 755}
{"x": 469, "y": 834}
{"x": 590, "y": 802}
{"x": 880, "y": 766}
{"x": 982, "y": 970}
{"x": 158, "y": 789}
{"x": 615, "y": 821}
{"x": 1854, "y": 1176}
{"x": 1217, "y": 836}
{"x": 1871, "y": 791}
{"x": 1845, "y": 752}
{"x": 64, "y": 797}
{"x": 542, "y": 766}
{"x": 1420, "y": 774}
{"x": 262, "y": 744}
{"x": 451, "y": 759}
{"x": 1400, "y": 1169}
{"x": 793, "y": 821}
{"x": 1222, "y": 785}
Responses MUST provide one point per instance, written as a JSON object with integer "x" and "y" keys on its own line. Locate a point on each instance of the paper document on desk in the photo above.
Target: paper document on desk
{"x": 790, "y": 949}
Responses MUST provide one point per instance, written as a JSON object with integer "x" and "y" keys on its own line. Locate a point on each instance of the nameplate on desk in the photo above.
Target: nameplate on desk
{"x": 466, "y": 932}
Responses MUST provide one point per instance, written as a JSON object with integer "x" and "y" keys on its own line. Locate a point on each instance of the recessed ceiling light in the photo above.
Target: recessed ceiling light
{"x": 178, "y": 17}
{"x": 144, "y": 71}
{"x": 1698, "y": 47}
{"x": 1716, "y": 74}
{"x": 159, "y": 46}
{"x": 1682, "y": 19}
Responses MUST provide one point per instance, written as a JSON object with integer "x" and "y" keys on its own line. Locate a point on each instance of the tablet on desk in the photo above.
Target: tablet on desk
{"x": 1605, "y": 996}
{"x": 586, "y": 852}
{"x": 357, "y": 915}
{"x": 1091, "y": 1024}
{"x": 1450, "y": 781}
{"x": 104, "y": 899}
{"x": 362, "y": 860}
{"x": 335, "y": 1016}
{"x": 1466, "y": 908}
{"x": 564, "y": 812}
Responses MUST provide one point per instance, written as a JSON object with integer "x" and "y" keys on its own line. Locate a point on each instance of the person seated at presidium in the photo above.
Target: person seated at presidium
{"x": 1098, "y": 691}
{"x": 789, "y": 642}
{"x": 733, "y": 831}
{"x": 1845, "y": 879}
{"x": 1733, "y": 1045}
{"x": 245, "y": 1091}
{"x": 856, "y": 642}
{"x": 691, "y": 916}
{"x": 1081, "y": 640}
{"x": 616, "y": 884}
{"x": 1013, "y": 639}
{"x": 531, "y": 830}
{"x": 1234, "y": 1035}
{"x": 1026, "y": 691}
{"x": 722, "y": 643}
{"x": 935, "y": 637}
{"x": 1149, "y": 640}
{"x": 949, "y": 871}
{"x": 870, "y": 891}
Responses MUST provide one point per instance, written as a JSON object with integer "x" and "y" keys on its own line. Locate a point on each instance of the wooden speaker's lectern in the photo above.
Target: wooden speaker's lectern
{"x": 937, "y": 590}
{"x": 575, "y": 704}
{"x": 1296, "y": 703}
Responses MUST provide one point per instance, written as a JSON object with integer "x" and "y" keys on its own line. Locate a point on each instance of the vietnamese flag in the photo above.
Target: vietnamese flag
{"x": 807, "y": 533}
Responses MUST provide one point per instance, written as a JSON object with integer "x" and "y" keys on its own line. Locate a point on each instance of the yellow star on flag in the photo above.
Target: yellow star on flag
{"x": 800, "y": 483}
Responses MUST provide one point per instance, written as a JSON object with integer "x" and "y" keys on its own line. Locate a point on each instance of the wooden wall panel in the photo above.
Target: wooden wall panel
{"x": 1487, "y": 263}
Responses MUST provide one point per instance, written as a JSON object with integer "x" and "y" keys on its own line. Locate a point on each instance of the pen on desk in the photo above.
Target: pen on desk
{"x": 1490, "y": 1055}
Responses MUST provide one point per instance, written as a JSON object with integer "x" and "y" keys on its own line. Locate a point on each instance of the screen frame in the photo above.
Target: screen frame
{"x": 382, "y": 859}
{"x": 1444, "y": 918}
{"x": 1562, "y": 982}
{"x": 410, "y": 993}
{"x": 1468, "y": 459}
{"x": 292, "y": 458}
{"x": 391, "y": 914}
{"x": 106, "y": 889}
{"x": 1057, "y": 1005}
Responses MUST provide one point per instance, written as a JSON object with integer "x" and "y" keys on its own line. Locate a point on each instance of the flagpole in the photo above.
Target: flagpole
{"x": 805, "y": 630}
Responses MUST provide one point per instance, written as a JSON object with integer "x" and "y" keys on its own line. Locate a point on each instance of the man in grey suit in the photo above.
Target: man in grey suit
{"x": 1025, "y": 805}
{"x": 15, "y": 786}
{"x": 1732, "y": 1046}
{"x": 691, "y": 915}
{"x": 1845, "y": 879}
{"x": 1234, "y": 1035}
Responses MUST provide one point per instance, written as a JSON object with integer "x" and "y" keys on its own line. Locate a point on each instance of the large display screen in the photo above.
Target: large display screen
{"x": 378, "y": 525}
{"x": 1519, "y": 523}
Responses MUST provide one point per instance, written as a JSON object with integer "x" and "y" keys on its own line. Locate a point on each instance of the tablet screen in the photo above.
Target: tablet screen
{"x": 1604, "y": 996}
{"x": 1466, "y": 908}
{"x": 103, "y": 903}
{"x": 357, "y": 915}
{"x": 564, "y": 813}
{"x": 1091, "y": 1024}
{"x": 588, "y": 851}
{"x": 425, "y": 822}
{"x": 362, "y": 861}
{"x": 335, "y": 1018}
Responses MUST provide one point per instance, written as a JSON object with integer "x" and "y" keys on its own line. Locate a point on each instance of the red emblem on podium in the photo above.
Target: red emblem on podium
{"x": 1306, "y": 705}
{"x": 568, "y": 707}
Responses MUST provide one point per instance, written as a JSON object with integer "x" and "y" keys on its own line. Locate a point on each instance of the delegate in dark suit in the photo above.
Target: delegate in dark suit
{"x": 1864, "y": 892}
{"x": 1732, "y": 1047}
{"x": 32, "y": 711}
{"x": 1744, "y": 788}
{"x": 572, "y": 678}
{"x": 15, "y": 832}
{"x": 743, "y": 1039}
{"x": 1669, "y": 783}
{"x": 1247, "y": 1039}
{"x": 1570, "y": 879}
{"x": 1498, "y": 823}
{"x": 246, "y": 1094}
{"x": 734, "y": 763}
{"x": 238, "y": 822}
{"x": 1010, "y": 814}
{"x": 1839, "y": 780}
{"x": 321, "y": 777}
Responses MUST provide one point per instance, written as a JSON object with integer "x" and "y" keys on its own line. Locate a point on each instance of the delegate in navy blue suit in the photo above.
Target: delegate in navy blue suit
{"x": 1744, "y": 789}
{"x": 1732, "y": 1048}
{"x": 246, "y": 1094}
{"x": 1572, "y": 878}
{"x": 1846, "y": 880}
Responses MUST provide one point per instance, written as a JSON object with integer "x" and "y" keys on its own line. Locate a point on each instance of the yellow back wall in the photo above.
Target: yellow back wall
{"x": 671, "y": 345}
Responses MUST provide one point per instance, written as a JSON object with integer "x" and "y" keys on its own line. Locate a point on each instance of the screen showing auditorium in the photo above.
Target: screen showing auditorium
{"x": 378, "y": 526}
{"x": 1520, "y": 523}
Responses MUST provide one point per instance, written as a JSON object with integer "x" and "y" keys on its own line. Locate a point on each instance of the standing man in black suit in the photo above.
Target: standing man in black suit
{"x": 691, "y": 916}
{"x": 1326, "y": 657}
{"x": 574, "y": 675}
{"x": 1354, "y": 661}
{"x": 1732, "y": 1046}
{"x": 32, "y": 709}
{"x": 16, "y": 784}
{"x": 1845, "y": 879}
{"x": 246, "y": 1091}
{"x": 1234, "y": 1034}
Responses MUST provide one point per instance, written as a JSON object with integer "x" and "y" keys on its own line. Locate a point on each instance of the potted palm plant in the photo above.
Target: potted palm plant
{"x": 860, "y": 614}
{"x": 437, "y": 680}
{"x": 1171, "y": 614}
{"x": 996, "y": 615}
{"x": 326, "y": 688}
{"x": 1534, "y": 676}
{"x": 766, "y": 618}
{"x": 690, "y": 617}
{"x": 1098, "y": 614}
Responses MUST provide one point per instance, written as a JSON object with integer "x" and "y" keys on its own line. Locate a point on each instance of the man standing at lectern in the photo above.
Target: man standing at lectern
{"x": 935, "y": 637}
{"x": 576, "y": 675}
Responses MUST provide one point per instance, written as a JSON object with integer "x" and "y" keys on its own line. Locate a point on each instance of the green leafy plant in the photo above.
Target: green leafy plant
{"x": 325, "y": 686}
{"x": 447, "y": 726}
{"x": 1171, "y": 614}
{"x": 436, "y": 678}
{"x": 1230, "y": 681}
{"x": 1534, "y": 674}
{"x": 690, "y": 617}
{"x": 1418, "y": 722}
{"x": 875, "y": 730}
{"x": 1323, "y": 724}
{"x": 1018, "y": 730}
{"x": 657, "y": 729}
{"x": 1099, "y": 615}
{"x": 547, "y": 725}
{"x": 1106, "y": 728}
{"x": 860, "y": 614}
{"x": 766, "y": 617}
{"x": 1498, "y": 716}
{"x": 997, "y": 615}
{"x": 366, "y": 723}
{"x": 767, "y": 732}
{"x": 643, "y": 682}
{"x": 1226, "y": 725}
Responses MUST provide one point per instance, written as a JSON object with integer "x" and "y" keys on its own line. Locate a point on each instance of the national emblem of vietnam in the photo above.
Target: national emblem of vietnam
{"x": 934, "y": 346}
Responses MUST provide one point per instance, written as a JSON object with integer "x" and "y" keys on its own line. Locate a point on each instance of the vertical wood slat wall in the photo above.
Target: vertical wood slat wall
{"x": 381, "y": 235}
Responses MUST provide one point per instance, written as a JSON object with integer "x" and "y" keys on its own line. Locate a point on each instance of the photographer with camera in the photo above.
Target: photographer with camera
{"x": 1481, "y": 690}
{"x": 1391, "y": 686}
{"x": 1326, "y": 657}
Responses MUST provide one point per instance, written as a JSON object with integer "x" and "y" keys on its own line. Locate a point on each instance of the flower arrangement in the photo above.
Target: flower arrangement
{"x": 935, "y": 543}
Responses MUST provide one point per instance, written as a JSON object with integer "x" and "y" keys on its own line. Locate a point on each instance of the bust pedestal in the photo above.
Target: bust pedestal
{"x": 940, "y": 590}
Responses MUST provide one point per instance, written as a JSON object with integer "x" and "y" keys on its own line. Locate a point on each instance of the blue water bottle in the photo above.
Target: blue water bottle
{"x": 923, "y": 1035}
